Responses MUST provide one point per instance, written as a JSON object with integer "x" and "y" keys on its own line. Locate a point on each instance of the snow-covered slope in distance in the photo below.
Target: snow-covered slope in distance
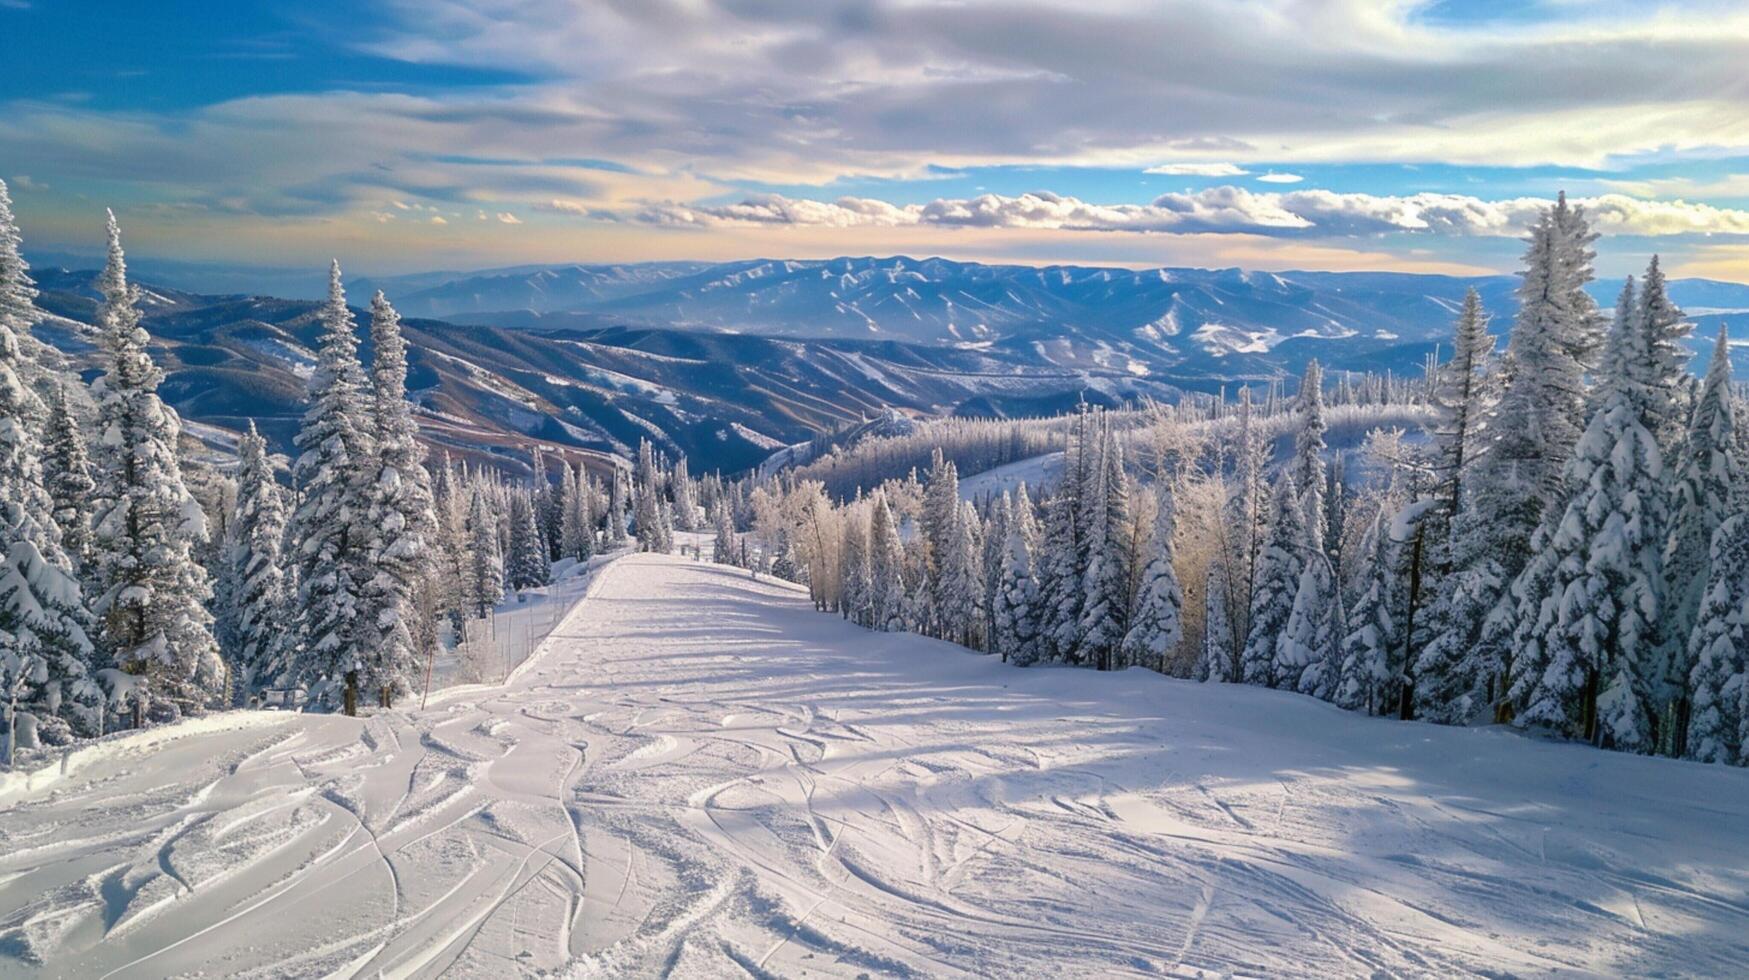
{"x": 700, "y": 776}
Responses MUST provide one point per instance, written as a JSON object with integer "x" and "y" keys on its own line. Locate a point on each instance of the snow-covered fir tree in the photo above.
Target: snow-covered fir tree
{"x": 526, "y": 565}
{"x": 1707, "y": 488}
{"x": 1060, "y": 562}
{"x": 573, "y": 520}
{"x": 664, "y": 526}
{"x": 959, "y": 581}
{"x": 615, "y": 516}
{"x": 724, "y": 550}
{"x": 47, "y": 694}
{"x": 67, "y": 476}
{"x": 1279, "y": 568}
{"x": 485, "y": 572}
{"x": 253, "y": 563}
{"x": 329, "y": 534}
{"x": 1461, "y": 401}
{"x": 1719, "y": 650}
{"x": 450, "y": 502}
{"x": 1017, "y": 599}
{"x": 1214, "y": 659}
{"x": 1307, "y": 654}
{"x": 153, "y": 621}
{"x": 994, "y": 545}
{"x": 1528, "y": 435}
{"x": 857, "y": 596}
{"x": 1666, "y": 352}
{"x": 1156, "y": 623}
{"x": 1105, "y": 603}
{"x": 400, "y": 519}
{"x": 1366, "y": 678}
{"x": 1247, "y": 516}
{"x": 1308, "y": 459}
{"x": 685, "y": 495}
{"x": 938, "y": 530}
{"x": 1586, "y": 644}
{"x": 886, "y": 563}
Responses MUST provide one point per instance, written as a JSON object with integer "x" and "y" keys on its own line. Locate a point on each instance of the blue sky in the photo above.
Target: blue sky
{"x": 412, "y": 134}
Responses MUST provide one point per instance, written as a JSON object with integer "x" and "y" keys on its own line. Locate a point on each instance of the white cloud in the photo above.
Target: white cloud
{"x": 1274, "y": 178}
{"x": 506, "y": 218}
{"x": 1198, "y": 170}
{"x": 438, "y": 219}
{"x": 1307, "y": 213}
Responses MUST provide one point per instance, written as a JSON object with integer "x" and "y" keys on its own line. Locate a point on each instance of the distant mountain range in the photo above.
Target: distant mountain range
{"x": 1158, "y": 312}
{"x": 491, "y": 394}
{"x": 725, "y": 362}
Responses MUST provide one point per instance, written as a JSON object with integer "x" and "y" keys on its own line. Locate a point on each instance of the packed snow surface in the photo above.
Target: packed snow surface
{"x": 700, "y": 776}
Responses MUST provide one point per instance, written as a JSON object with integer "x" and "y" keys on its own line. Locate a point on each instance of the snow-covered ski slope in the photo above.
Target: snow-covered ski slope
{"x": 700, "y": 776}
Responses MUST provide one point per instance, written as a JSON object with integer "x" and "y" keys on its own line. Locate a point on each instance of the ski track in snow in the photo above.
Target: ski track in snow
{"x": 700, "y": 776}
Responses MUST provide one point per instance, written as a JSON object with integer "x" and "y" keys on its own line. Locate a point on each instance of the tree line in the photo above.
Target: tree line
{"x": 1562, "y": 547}
{"x": 139, "y": 585}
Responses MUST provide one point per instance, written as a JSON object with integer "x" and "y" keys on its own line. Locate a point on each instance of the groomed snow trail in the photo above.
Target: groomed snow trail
{"x": 700, "y": 776}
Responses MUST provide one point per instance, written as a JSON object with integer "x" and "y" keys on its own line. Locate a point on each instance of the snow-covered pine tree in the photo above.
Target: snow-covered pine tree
{"x": 886, "y": 568}
{"x": 941, "y": 508}
{"x": 1667, "y": 329}
{"x": 994, "y": 544}
{"x": 485, "y": 581}
{"x": 1249, "y": 515}
{"x": 253, "y": 563}
{"x": 46, "y": 692}
{"x": 1460, "y": 401}
{"x": 858, "y": 592}
{"x": 1586, "y": 326}
{"x": 1555, "y": 339}
{"x": 1279, "y": 568}
{"x": 1587, "y": 603}
{"x": 37, "y": 364}
{"x": 1367, "y": 676}
{"x": 1060, "y": 559}
{"x": 450, "y": 499}
{"x": 573, "y": 527}
{"x": 329, "y": 534}
{"x": 153, "y": 621}
{"x": 1527, "y": 437}
{"x": 1308, "y": 459}
{"x": 1017, "y": 600}
{"x": 723, "y": 549}
{"x": 526, "y": 563}
{"x": 646, "y": 518}
{"x": 400, "y": 519}
{"x": 1308, "y": 654}
{"x": 664, "y": 525}
{"x": 686, "y": 508}
{"x": 961, "y": 578}
{"x": 1707, "y": 488}
{"x": 616, "y": 510}
{"x": 1214, "y": 660}
{"x": 1157, "y": 622}
{"x": 591, "y": 504}
{"x": 67, "y": 476}
{"x": 1719, "y": 649}
{"x": 1105, "y": 605}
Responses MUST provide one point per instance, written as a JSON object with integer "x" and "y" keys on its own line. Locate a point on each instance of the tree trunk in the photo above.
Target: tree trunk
{"x": 1588, "y": 708}
{"x": 351, "y": 706}
{"x": 1406, "y": 693}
